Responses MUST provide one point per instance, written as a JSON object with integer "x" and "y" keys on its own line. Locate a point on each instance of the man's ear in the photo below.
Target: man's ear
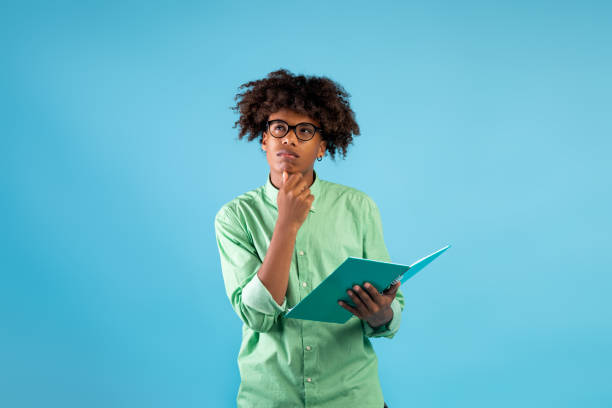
{"x": 323, "y": 147}
{"x": 264, "y": 142}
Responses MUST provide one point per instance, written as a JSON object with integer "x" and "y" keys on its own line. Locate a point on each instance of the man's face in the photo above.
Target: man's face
{"x": 304, "y": 152}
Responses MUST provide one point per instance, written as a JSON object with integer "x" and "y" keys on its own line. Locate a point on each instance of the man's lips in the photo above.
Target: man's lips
{"x": 287, "y": 153}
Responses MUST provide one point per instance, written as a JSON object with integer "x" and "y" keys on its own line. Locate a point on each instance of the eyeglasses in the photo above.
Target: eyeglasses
{"x": 304, "y": 131}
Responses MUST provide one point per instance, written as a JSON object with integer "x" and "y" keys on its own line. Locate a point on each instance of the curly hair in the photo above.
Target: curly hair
{"x": 318, "y": 97}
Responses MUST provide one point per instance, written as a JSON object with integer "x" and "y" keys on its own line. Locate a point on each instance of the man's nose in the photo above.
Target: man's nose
{"x": 291, "y": 136}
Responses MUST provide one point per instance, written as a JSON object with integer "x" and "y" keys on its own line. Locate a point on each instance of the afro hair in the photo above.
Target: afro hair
{"x": 318, "y": 97}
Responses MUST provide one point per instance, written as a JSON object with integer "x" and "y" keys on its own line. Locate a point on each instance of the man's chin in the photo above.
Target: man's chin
{"x": 288, "y": 168}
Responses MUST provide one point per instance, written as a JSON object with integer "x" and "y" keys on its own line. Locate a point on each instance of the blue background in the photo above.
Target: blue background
{"x": 484, "y": 125}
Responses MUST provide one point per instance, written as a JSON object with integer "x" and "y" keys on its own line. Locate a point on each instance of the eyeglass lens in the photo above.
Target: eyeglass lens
{"x": 303, "y": 131}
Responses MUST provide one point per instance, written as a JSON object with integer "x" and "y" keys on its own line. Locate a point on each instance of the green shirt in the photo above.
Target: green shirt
{"x": 299, "y": 363}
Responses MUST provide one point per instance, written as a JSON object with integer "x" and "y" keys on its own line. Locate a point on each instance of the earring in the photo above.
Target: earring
{"x": 319, "y": 158}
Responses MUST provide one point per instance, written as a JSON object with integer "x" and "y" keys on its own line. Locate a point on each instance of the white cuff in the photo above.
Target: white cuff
{"x": 256, "y": 296}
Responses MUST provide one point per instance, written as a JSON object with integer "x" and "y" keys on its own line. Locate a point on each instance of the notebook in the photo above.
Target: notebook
{"x": 322, "y": 303}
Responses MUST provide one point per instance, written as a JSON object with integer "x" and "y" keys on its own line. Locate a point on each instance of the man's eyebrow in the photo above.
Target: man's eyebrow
{"x": 300, "y": 123}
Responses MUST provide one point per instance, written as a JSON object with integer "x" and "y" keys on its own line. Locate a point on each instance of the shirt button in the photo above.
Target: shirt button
{"x": 309, "y": 379}
{"x": 308, "y": 348}
{"x": 301, "y": 253}
{"x": 304, "y": 284}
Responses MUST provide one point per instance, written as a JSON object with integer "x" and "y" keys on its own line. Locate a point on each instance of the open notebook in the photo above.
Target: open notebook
{"x": 322, "y": 303}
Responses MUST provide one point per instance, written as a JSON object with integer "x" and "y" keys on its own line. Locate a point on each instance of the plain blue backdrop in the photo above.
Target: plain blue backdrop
{"x": 485, "y": 125}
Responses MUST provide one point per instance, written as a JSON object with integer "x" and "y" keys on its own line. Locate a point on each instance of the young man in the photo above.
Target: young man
{"x": 279, "y": 241}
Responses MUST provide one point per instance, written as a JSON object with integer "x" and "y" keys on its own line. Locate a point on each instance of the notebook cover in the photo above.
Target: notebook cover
{"x": 322, "y": 303}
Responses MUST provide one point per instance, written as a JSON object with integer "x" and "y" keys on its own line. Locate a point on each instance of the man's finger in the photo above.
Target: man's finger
{"x": 292, "y": 179}
{"x": 393, "y": 289}
{"x": 304, "y": 194}
{"x": 300, "y": 186}
{"x": 285, "y": 175}
{"x": 361, "y": 307}
{"x": 374, "y": 294}
{"x": 349, "y": 308}
{"x": 365, "y": 297}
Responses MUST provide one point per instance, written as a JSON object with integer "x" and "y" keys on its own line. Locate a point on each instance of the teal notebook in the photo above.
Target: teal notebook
{"x": 322, "y": 303}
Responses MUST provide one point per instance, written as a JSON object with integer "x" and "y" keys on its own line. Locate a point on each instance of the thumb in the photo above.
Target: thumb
{"x": 393, "y": 289}
{"x": 285, "y": 176}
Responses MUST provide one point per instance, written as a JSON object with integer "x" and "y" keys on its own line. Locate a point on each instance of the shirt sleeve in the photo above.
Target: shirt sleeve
{"x": 240, "y": 262}
{"x": 374, "y": 248}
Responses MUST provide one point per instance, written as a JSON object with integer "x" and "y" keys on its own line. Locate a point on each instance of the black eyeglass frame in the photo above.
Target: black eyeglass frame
{"x": 289, "y": 128}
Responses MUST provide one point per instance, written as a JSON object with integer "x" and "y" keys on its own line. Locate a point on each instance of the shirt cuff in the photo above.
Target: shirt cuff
{"x": 389, "y": 329}
{"x": 256, "y": 296}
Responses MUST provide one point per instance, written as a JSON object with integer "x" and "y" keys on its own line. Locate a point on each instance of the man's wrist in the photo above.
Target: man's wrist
{"x": 286, "y": 227}
{"x": 386, "y": 320}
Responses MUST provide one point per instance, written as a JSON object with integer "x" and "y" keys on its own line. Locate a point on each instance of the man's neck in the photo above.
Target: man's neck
{"x": 277, "y": 179}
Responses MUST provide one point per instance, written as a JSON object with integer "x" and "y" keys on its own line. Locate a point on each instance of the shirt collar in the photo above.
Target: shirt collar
{"x": 272, "y": 192}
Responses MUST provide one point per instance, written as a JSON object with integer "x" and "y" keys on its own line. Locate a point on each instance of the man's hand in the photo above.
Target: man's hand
{"x": 293, "y": 200}
{"x": 370, "y": 305}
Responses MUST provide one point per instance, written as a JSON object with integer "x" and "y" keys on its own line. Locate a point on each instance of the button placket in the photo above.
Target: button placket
{"x": 303, "y": 282}
{"x": 302, "y": 262}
